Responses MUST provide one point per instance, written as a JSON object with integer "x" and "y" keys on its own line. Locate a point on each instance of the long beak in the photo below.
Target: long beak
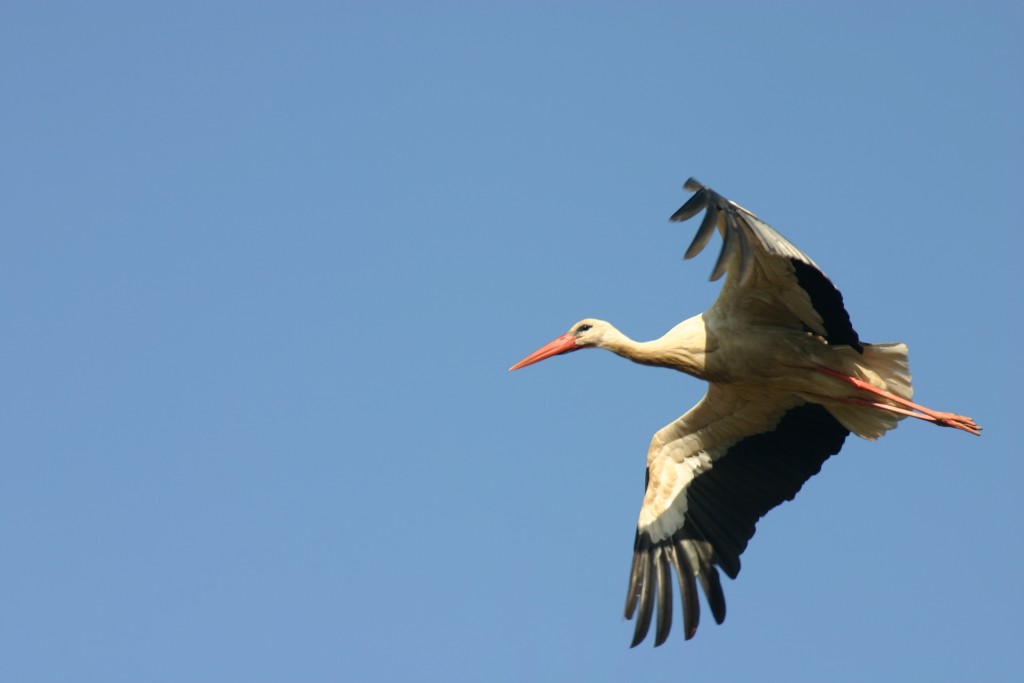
{"x": 563, "y": 344}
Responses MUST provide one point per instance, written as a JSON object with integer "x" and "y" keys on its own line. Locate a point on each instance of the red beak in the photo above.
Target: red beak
{"x": 563, "y": 344}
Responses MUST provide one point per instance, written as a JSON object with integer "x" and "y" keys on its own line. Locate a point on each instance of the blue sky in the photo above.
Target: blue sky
{"x": 263, "y": 268}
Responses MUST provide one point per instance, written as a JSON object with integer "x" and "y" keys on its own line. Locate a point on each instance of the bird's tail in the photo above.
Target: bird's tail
{"x": 886, "y": 367}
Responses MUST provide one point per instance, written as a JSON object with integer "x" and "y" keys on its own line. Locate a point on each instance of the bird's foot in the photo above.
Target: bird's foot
{"x": 957, "y": 422}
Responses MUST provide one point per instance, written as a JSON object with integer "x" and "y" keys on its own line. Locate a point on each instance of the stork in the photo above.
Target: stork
{"x": 788, "y": 380}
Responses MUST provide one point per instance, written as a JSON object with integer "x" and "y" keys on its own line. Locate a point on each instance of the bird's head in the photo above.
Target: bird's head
{"x": 587, "y": 332}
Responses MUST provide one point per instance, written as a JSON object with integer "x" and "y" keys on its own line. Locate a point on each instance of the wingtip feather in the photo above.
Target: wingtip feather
{"x": 643, "y": 616}
{"x": 692, "y": 207}
{"x": 704, "y": 233}
{"x": 664, "y": 598}
{"x": 729, "y": 246}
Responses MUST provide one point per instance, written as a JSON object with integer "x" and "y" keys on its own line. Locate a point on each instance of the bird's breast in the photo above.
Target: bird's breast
{"x": 763, "y": 356}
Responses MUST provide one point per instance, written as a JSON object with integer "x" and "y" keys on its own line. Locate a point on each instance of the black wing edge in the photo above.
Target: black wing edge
{"x": 724, "y": 504}
{"x": 825, "y": 297}
{"x": 828, "y": 302}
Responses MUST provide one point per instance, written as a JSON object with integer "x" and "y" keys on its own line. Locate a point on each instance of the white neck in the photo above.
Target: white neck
{"x": 681, "y": 348}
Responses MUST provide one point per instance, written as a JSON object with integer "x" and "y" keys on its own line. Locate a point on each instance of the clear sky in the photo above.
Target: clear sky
{"x": 264, "y": 266}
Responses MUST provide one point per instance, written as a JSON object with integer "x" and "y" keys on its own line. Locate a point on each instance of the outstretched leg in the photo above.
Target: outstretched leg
{"x": 909, "y": 407}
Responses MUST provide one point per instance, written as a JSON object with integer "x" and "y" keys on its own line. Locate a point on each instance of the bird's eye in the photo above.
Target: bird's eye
{"x": 583, "y": 328}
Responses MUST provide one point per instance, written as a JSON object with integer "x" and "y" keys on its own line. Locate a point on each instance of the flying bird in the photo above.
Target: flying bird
{"x": 788, "y": 380}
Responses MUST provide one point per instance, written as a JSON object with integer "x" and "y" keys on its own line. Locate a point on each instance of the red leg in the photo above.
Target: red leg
{"x": 942, "y": 422}
{"x": 910, "y": 408}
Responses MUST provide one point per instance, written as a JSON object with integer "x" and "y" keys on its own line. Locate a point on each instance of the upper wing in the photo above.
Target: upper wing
{"x": 711, "y": 475}
{"x": 769, "y": 279}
